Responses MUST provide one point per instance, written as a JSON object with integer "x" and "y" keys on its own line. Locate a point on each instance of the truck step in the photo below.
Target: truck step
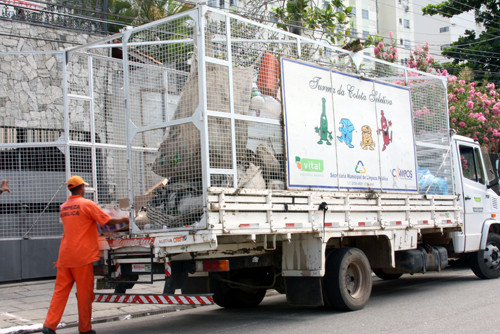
{"x": 205, "y": 299}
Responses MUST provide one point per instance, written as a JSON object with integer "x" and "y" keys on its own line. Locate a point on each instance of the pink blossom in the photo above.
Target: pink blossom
{"x": 391, "y": 56}
{"x": 462, "y": 82}
{"x": 376, "y": 51}
{"x": 381, "y": 45}
{"x": 452, "y": 108}
{"x": 462, "y": 124}
{"x": 385, "y": 54}
{"x": 390, "y": 34}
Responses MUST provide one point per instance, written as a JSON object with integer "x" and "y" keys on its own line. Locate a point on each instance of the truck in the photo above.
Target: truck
{"x": 284, "y": 163}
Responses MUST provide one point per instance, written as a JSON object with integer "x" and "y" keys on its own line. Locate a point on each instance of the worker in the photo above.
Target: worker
{"x": 78, "y": 250}
{"x": 4, "y": 187}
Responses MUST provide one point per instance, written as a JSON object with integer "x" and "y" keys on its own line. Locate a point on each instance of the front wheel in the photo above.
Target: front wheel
{"x": 348, "y": 279}
{"x": 486, "y": 263}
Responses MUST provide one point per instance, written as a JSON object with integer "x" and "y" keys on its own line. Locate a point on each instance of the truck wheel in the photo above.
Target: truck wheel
{"x": 234, "y": 296}
{"x": 486, "y": 263}
{"x": 348, "y": 280}
{"x": 381, "y": 273}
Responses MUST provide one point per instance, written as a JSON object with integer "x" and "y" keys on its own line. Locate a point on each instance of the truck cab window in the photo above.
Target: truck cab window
{"x": 472, "y": 167}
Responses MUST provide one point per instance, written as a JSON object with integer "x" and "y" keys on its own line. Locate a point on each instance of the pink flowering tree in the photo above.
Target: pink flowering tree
{"x": 475, "y": 111}
{"x": 420, "y": 58}
{"x": 383, "y": 50}
{"x": 474, "y": 108}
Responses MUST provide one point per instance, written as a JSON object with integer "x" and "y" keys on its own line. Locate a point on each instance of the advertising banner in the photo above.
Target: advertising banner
{"x": 346, "y": 132}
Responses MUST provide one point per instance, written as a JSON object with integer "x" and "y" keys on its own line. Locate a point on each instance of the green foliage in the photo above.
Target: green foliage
{"x": 302, "y": 16}
{"x": 480, "y": 53}
{"x": 138, "y": 12}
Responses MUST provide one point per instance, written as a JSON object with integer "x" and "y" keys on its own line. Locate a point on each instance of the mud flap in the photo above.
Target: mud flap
{"x": 304, "y": 291}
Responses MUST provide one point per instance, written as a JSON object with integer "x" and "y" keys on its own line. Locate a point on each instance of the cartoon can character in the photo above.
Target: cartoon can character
{"x": 346, "y": 128}
{"x": 324, "y": 134}
{"x": 367, "y": 140}
{"x": 385, "y": 130}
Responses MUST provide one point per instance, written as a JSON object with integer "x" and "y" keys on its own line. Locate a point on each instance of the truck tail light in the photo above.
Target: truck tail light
{"x": 214, "y": 265}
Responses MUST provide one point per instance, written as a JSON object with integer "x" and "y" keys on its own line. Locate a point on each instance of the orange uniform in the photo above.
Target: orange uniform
{"x": 79, "y": 249}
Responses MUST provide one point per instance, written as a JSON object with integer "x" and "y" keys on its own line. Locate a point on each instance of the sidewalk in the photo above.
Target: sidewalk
{"x": 23, "y": 306}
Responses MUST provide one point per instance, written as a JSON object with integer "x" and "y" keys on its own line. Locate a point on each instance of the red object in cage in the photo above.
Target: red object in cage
{"x": 268, "y": 79}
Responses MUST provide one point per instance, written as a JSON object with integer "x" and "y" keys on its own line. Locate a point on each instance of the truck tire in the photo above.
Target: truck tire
{"x": 348, "y": 280}
{"x": 486, "y": 263}
{"x": 381, "y": 273}
{"x": 228, "y": 295}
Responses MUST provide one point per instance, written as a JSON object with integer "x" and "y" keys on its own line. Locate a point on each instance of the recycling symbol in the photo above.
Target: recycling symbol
{"x": 360, "y": 168}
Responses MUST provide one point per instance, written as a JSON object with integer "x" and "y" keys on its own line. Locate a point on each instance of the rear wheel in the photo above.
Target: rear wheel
{"x": 347, "y": 282}
{"x": 236, "y": 290}
{"x": 486, "y": 263}
{"x": 381, "y": 273}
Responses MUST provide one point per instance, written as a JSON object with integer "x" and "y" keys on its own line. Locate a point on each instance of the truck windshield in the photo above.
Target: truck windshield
{"x": 492, "y": 172}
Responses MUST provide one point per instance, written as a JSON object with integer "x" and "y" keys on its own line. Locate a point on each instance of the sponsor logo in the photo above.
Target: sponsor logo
{"x": 309, "y": 165}
{"x": 131, "y": 242}
{"x": 477, "y": 199}
{"x": 141, "y": 268}
{"x": 180, "y": 238}
{"x": 406, "y": 174}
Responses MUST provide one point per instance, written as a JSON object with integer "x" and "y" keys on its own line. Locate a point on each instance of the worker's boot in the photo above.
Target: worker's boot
{"x": 47, "y": 330}
{"x": 89, "y": 332}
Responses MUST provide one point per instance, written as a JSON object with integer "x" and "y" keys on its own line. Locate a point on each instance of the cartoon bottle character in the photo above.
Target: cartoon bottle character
{"x": 346, "y": 128}
{"x": 367, "y": 140}
{"x": 324, "y": 134}
{"x": 385, "y": 130}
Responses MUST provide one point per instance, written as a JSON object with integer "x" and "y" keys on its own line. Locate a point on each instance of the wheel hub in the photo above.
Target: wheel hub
{"x": 353, "y": 280}
{"x": 492, "y": 256}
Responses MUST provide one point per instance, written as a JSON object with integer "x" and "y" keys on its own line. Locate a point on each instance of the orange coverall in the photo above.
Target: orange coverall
{"x": 79, "y": 249}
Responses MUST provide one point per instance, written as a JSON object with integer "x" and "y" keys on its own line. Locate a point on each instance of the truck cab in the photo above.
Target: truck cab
{"x": 475, "y": 183}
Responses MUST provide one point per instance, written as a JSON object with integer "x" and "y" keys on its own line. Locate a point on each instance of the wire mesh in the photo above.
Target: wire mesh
{"x": 195, "y": 119}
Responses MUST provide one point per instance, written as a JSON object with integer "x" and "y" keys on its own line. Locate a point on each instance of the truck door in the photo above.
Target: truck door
{"x": 474, "y": 193}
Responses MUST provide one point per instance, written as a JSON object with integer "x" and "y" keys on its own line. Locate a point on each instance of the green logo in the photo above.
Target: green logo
{"x": 309, "y": 165}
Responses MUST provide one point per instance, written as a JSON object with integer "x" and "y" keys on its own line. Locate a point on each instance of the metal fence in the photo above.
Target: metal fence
{"x": 155, "y": 116}
{"x": 79, "y": 15}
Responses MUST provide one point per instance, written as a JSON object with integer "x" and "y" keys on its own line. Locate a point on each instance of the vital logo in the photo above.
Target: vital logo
{"x": 360, "y": 168}
{"x": 309, "y": 165}
{"x": 406, "y": 174}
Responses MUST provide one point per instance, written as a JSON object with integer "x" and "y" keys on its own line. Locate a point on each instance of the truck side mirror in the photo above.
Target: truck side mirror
{"x": 492, "y": 183}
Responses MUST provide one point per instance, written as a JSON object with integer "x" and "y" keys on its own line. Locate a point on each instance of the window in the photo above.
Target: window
{"x": 444, "y": 29}
{"x": 353, "y": 32}
{"x": 353, "y": 12}
{"x": 407, "y": 23}
{"x": 233, "y": 3}
{"x": 400, "y": 41}
{"x": 365, "y": 34}
{"x": 407, "y": 44}
{"x": 400, "y": 21}
{"x": 471, "y": 164}
{"x": 364, "y": 14}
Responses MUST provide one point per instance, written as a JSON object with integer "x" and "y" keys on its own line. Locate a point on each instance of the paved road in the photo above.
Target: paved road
{"x": 454, "y": 301}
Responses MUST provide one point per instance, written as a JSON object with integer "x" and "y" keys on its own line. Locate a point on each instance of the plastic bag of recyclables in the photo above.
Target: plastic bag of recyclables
{"x": 113, "y": 213}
